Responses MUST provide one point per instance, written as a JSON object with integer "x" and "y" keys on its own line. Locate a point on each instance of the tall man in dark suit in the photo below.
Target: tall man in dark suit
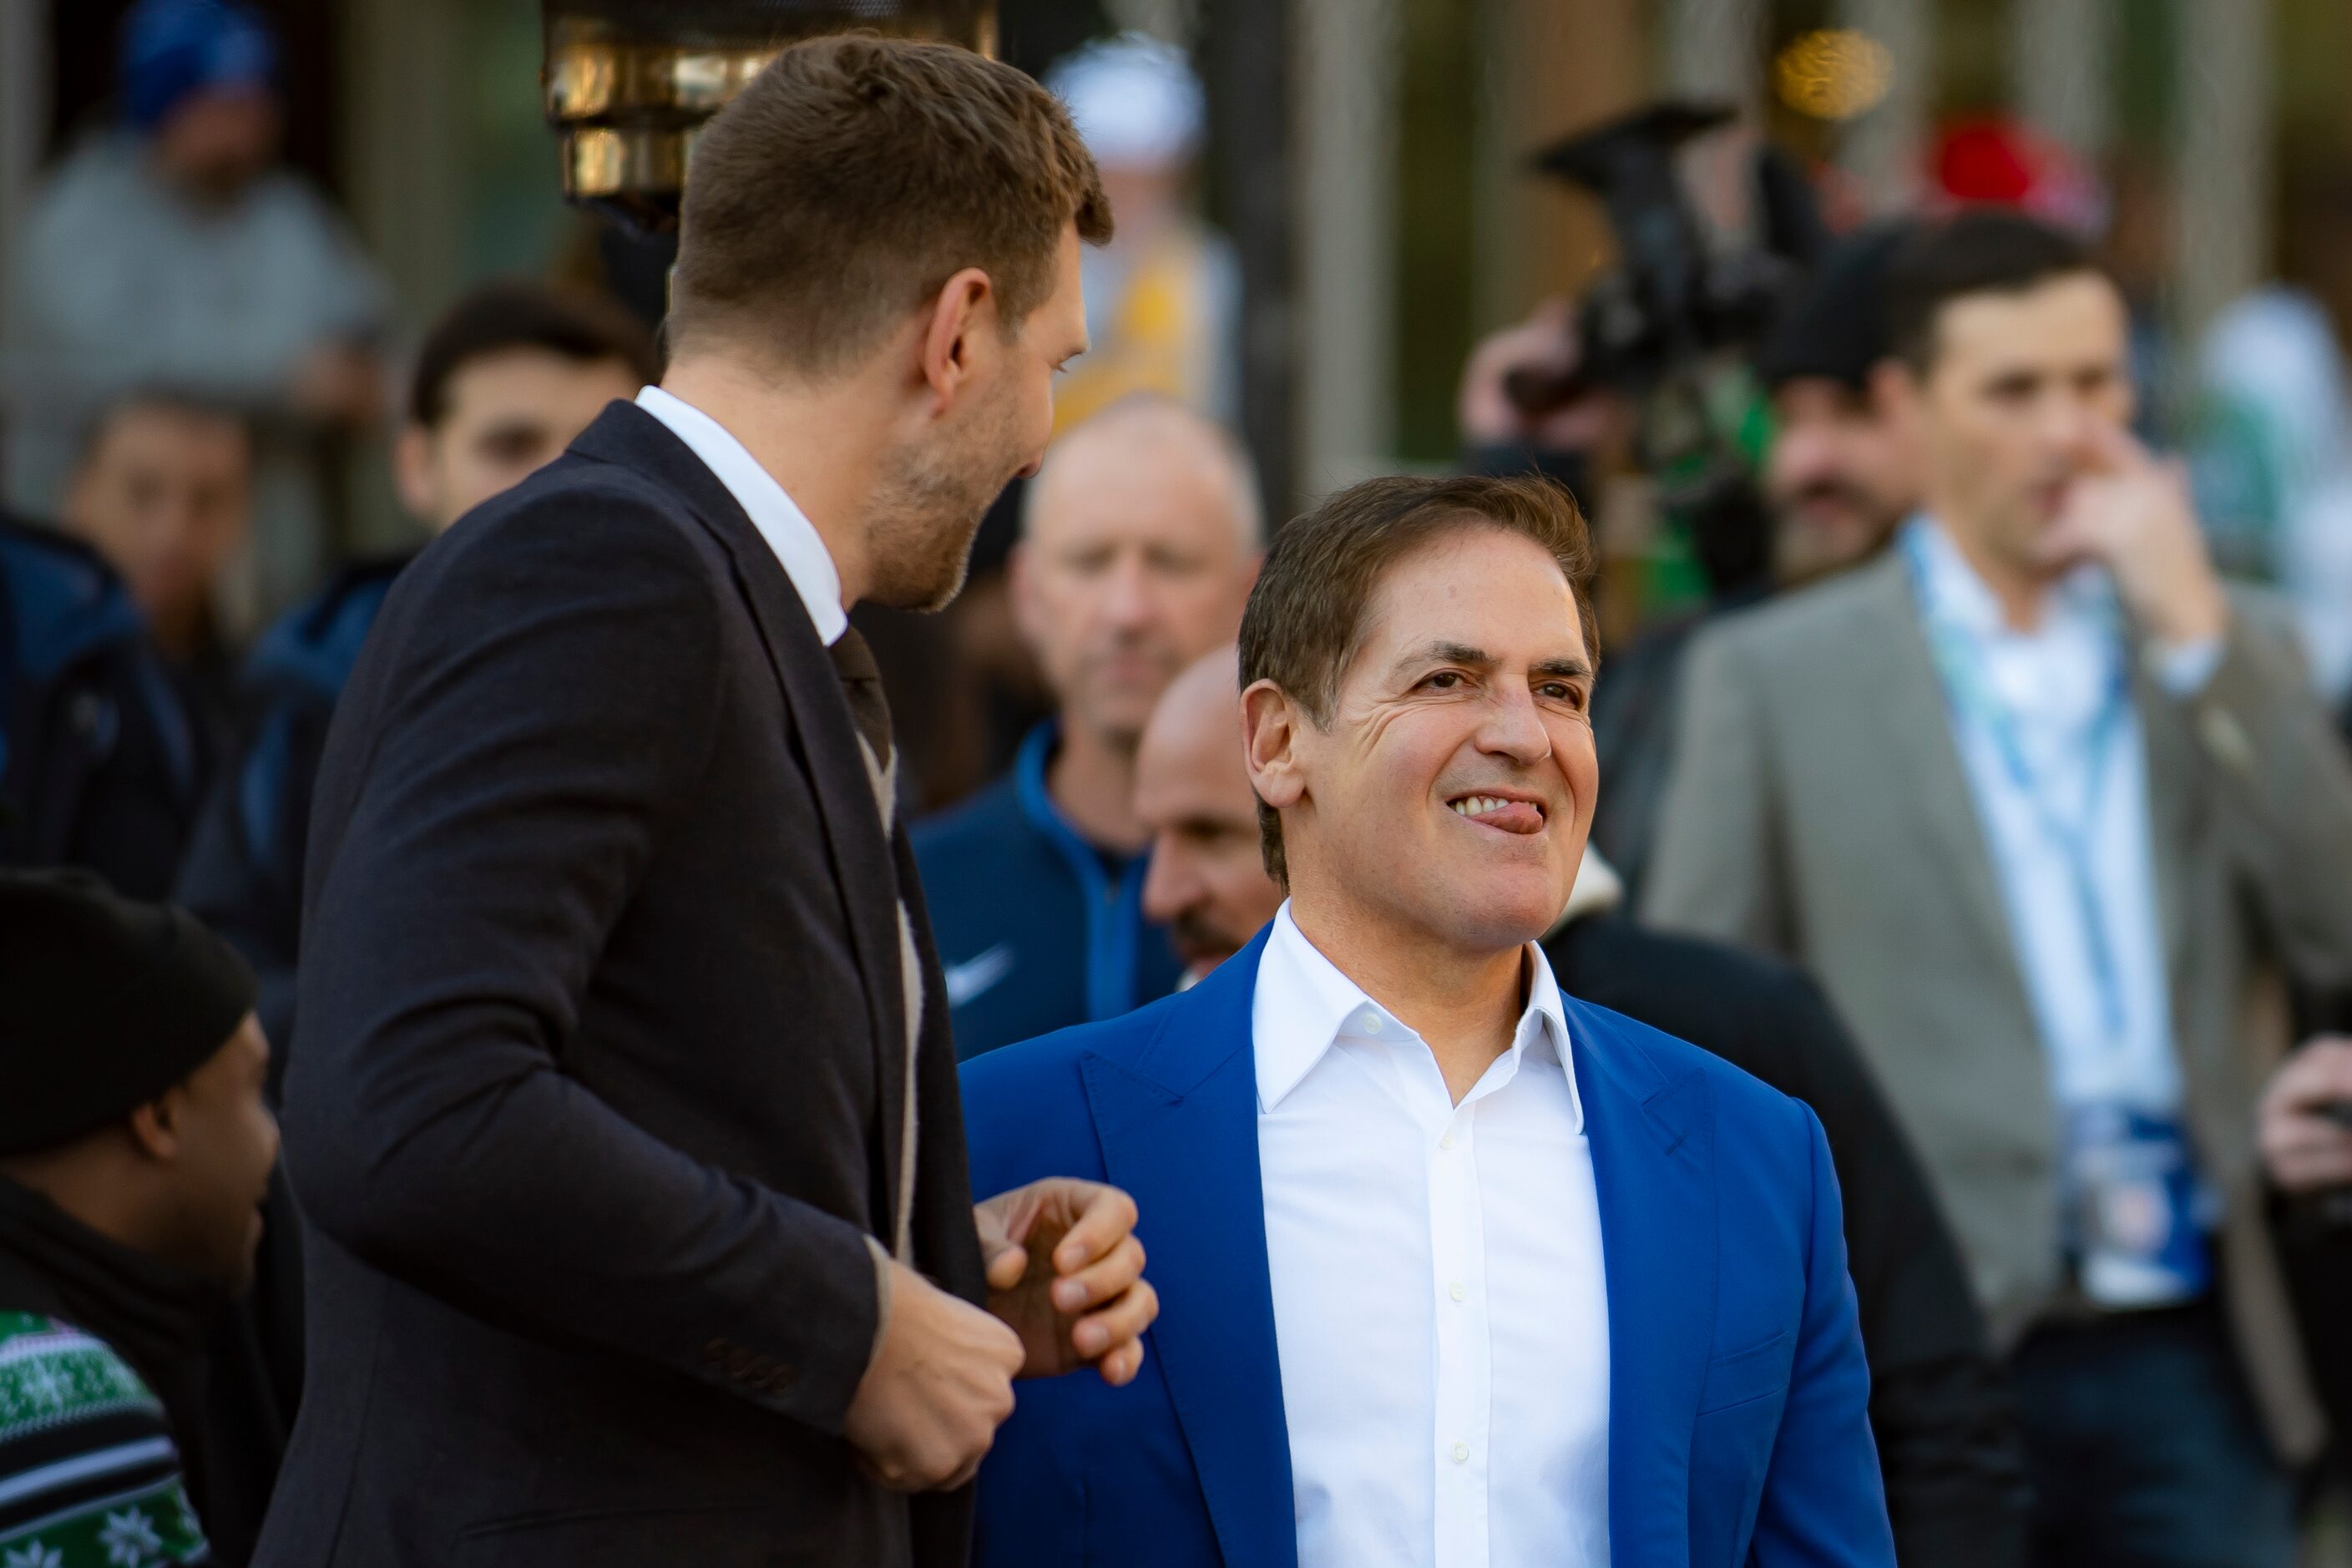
{"x": 625, "y": 1115}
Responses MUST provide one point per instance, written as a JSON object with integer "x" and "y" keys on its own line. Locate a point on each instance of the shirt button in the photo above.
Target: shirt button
{"x": 1457, "y": 1289}
{"x": 1372, "y": 1023}
{"x": 1461, "y": 1453}
{"x": 1447, "y": 1142}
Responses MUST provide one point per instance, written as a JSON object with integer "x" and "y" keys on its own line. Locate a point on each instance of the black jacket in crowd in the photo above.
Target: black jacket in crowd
{"x": 1947, "y": 1440}
{"x": 103, "y": 754}
{"x": 602, "y": 1036}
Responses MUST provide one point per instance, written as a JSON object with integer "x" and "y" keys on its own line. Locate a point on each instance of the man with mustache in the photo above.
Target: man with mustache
{"x": 1141, "y": 537}
{"x": 1841, "y": 471}
{"x": 1459, "y": 1270}
{"x": 2046, "y": 809}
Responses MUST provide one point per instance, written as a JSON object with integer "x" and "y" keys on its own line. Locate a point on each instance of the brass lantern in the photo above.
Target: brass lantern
{"x": 628, "y": 82}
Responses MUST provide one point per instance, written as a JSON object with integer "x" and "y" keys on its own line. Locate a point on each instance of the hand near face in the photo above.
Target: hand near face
{"x": 2304, "y": 1147}
{"x": 2131, "y": 513}
{"x": 1065, "y": 1271}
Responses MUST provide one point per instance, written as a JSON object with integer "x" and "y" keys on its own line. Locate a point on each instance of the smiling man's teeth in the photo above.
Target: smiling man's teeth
{"x": 1479, "y": 804}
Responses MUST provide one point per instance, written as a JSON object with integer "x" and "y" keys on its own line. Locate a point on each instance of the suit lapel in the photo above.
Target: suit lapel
{"x": 1178, "y": 1133}
{"x": 1653, "y": 1168}
{"x": 825, "y": 737}
{"x": 1908, "y": 706}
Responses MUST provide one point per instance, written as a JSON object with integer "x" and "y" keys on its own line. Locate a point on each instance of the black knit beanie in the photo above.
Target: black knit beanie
{"x": 104, "y": 1004}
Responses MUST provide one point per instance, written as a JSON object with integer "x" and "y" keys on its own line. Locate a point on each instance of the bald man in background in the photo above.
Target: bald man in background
{"x": 1141, "y": 538}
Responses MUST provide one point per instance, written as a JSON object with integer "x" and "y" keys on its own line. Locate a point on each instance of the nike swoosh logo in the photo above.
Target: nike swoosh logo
{"x": 977, "y": 973}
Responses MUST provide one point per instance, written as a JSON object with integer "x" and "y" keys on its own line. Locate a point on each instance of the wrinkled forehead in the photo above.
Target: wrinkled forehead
{"x": 1479, "y": 585}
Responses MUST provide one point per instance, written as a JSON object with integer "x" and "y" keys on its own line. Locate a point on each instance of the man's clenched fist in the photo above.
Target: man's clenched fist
{"x": 940, "y": 1385}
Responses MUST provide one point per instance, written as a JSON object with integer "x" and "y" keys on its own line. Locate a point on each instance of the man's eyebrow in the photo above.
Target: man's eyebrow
{"x": 1563, "y": 668}
{"x": 1447, "y": 653}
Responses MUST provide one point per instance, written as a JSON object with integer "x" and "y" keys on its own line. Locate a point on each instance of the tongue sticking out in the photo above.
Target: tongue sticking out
{"x": 1518, "y": 816}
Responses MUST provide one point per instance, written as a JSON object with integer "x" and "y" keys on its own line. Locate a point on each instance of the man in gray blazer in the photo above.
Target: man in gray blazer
{"x": 2046, "y": 808}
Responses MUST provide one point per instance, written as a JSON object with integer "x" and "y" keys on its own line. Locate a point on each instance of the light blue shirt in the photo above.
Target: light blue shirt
{"x": 2074, "y": 817}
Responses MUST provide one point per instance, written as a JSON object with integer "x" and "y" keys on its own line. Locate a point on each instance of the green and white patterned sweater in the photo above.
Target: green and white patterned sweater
{"x": 89, "y": 1474}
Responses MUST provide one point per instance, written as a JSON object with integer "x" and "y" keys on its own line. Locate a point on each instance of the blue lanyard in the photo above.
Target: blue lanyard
{"x": 1960, "y": 659}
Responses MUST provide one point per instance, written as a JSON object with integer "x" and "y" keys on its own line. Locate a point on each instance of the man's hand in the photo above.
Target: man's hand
{"x": 2132, "y": 514}
{"x": 1065, "y": 1271}
{"x": 1545, "y": 342}
{"x": 940, "y": 1385}
{"x": 2304, "y": 1147}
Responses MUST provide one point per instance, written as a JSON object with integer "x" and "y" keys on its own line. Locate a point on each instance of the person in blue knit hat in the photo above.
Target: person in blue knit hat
{"x": 173, "y": 249}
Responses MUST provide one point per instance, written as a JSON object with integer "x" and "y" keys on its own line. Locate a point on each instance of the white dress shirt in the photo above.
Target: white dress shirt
{"x": 1439, "y": 1302}
{"x": 798, "y": 546}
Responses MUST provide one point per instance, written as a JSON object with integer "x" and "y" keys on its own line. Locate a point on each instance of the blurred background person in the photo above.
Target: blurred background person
{"x": 134, "y": 1146}
{"x": 1162, "y": 298}
{"x": 1947, "y": 1440}
{"x": 175, "y": 251}
{"x": 502, "y": 383}
{"x": 1841, "y": 471}
{"x": 2037, "y": 801}
{"x": 103, "y": 753}
{"x": 1140, "y": 539}
{"x": 163, "y": 489}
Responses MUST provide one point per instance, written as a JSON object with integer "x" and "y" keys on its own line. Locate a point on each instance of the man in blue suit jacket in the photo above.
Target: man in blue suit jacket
{"x": 1453, "y": 1270}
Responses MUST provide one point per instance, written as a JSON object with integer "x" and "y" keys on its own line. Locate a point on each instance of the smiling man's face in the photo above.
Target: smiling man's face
{"x": 1451, "y": 792}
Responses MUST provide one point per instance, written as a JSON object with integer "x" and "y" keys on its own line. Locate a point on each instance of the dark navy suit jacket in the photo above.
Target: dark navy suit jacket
{"x": 1738, "y": 1432}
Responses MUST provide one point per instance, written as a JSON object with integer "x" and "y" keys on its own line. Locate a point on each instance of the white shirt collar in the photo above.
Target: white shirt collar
{"x": 1303, "y": 1006}
{"x": 2082, "y": 601}
{"x": 799, "y": 549}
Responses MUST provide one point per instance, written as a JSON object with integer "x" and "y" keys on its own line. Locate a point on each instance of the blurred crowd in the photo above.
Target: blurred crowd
{"x": 2004, "y": 815}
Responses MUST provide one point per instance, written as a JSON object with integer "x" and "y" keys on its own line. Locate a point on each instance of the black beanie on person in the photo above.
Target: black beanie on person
{"x": 1834, "y": 325}
{"x": 104, "y": 1004}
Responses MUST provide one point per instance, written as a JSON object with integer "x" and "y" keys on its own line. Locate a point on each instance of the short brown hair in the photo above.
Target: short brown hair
{"x": 854, "y": 175}
{"x": 1305, "y": 616}
{"x": 1976, "y": 250}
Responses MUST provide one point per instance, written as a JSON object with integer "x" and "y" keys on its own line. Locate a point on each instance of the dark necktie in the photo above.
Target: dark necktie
{"x": 861, "y": 682}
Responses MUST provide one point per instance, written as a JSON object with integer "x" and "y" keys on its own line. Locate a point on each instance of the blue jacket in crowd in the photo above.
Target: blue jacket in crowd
{"x": 1036, "y": 928}
{"x": 243, "y": 871}
{"x": 102, "y": 756}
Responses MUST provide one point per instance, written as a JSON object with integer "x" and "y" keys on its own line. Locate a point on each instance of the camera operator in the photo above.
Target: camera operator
{"x": 1841, "y": 473}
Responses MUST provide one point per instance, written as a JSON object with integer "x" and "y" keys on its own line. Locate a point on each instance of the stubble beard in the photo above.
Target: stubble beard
{"x": 927, "y": 515}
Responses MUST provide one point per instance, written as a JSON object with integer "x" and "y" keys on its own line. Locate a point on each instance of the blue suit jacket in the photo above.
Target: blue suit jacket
{"x": 1737, "y": 1426}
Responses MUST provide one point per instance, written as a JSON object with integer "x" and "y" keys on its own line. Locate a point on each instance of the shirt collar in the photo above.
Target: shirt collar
{"x": 2082, "y": 601}
{"x": 1303, "y": 1006}
{"x": 798, "y": 547}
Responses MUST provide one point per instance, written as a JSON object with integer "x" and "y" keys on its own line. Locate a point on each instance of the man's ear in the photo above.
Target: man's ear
{"x": 1270, "y": 725}
{"x": 964, "y": 304}
{"x": 155, "y": 1127}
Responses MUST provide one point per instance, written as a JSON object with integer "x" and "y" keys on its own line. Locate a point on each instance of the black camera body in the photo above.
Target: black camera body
{"x": 1673, "y": 303}
{"x": 1662, "y": 326}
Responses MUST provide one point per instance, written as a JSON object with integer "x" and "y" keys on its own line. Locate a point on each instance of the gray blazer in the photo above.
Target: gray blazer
{"x": 1818, "y": 810}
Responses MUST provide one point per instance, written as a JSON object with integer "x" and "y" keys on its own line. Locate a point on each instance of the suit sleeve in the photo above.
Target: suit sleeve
{"x": 1822, "y": 1505}
{"x": 532, "y": 730}
{"x": 2283, "y": 779}
{"x": 1713, "y": 868}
